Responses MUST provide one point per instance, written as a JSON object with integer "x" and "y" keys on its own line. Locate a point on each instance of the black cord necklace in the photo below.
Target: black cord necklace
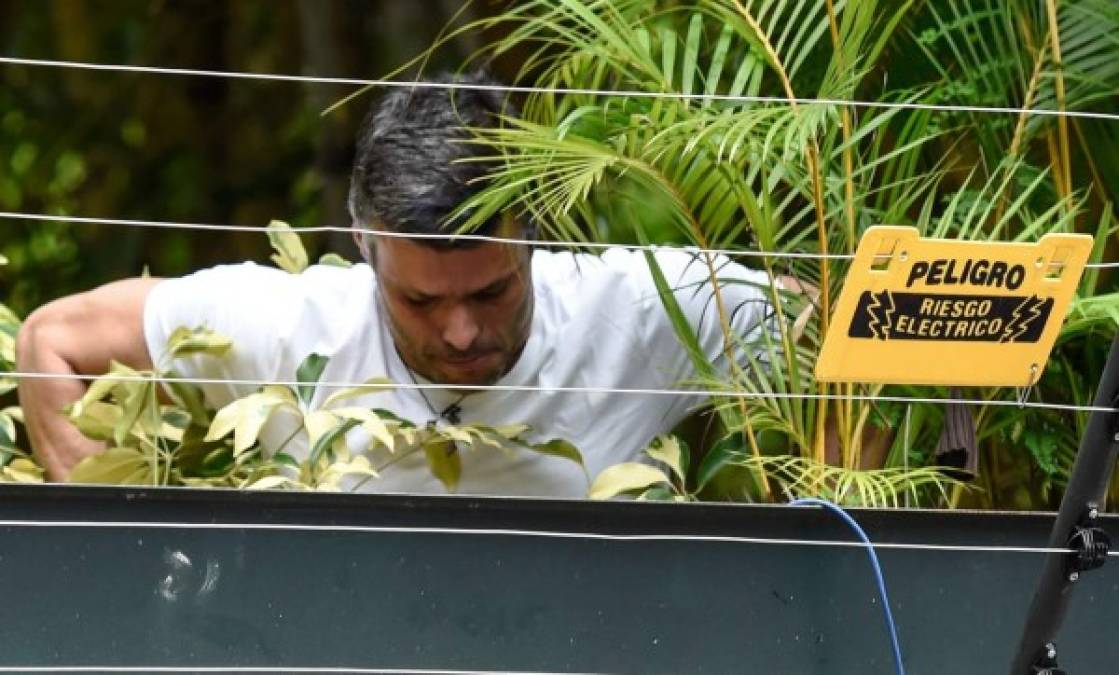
{"x": 452, "y": 414}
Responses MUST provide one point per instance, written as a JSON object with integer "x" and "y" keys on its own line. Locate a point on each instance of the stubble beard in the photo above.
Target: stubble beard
{"x": 416, "y": 362}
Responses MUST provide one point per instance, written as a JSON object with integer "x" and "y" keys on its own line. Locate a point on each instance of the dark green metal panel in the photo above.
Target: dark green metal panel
{"x": 194, "y": 597}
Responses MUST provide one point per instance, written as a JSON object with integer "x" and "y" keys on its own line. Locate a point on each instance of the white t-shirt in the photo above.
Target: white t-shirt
{"x": 598, "y": 322}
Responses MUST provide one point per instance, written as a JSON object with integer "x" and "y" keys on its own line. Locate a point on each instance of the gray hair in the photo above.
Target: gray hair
{"x": 406, "y": 176}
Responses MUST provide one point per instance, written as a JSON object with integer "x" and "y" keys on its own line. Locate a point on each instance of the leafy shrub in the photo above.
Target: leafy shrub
{"x": 183, "y": 442}
{"x": 15, "y": 465}
{"x": 802, "y": 178}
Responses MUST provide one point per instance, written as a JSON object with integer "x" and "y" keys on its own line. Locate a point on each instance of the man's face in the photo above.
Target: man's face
{"x": 458, "y": 316}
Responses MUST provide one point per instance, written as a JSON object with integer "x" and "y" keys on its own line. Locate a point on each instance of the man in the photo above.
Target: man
{"x": 421, "y": 311}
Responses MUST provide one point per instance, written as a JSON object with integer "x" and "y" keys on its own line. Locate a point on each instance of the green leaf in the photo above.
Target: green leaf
{"x": 197, "y": 457}
{"x": 456, "y": 434}
{"x": 97, "y": 420}
{"x": 510, "y": 431}
{"x": 114, "y": 466}
{"x": 372, "y": 422}
{"x": 691, "y": 54}
{"x": 668, "y": 53}
{"x": 9, "y": 322}
{"x": 103, "y": 386}
{"x": 7, "y": 348}
{"x": 626, "y": 477}
{"x": 356, "y": 466}
{"x": 327, "y": 439}
{"x": 245, "y": 417}
{"x": 444, "y": 461}
{"x": 200, "y": 340}
{"x": 135, "y": 408}
{"x": 190, "y": 398}
{"x": 390, "y": 415}
{"x": 1043, "y": 447}
{"x": 22, "y": 470}
{"x": 271, "y": 483}
{"x": 7, "y": 431}
{"x": 334, "y": 260}
{"x": 371, "y": 386}
{"x": 218, "y": 461}
{"x": 557, "y": 447}
{"x": 290, "y": 255}
{"x": 284, "y": 459}
{"x": 283, "y": 393}
{"x": 673, "y": 452}
{"x": 727, "y": 451}
{"x": 680, "y": 325}
{"x": 318, "y": 423}
{"x": 308, "y": 375}
{"x": 481, "y": 435}
{"x": 718, "y": 59}
{"x": 658, "y": 493}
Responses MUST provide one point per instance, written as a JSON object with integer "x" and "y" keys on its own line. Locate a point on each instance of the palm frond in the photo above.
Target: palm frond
{"x": 874, "y": 488}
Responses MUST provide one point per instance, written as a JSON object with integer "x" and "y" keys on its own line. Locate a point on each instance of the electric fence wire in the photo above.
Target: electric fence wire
{"x": 480, "y": 238}
{"x": 848, "y": 520}
{"x": 865, "y": 542}
{"x": 505, "y": 89}
{"x": 508, "y": 89}
{"x": 565, "y": 244}
{"x": 542, "y": 243}
{"x": 536, "y": 243}
{"x": 573, "y": 91}
{"x": 325, "y": 670}
{"x": 374, "y": 387}
{"x": 891, "y": 626}
{"x": 512, "y": 532}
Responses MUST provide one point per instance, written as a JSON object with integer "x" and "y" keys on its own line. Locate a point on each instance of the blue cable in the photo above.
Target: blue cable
{"x": 810, "y": 501}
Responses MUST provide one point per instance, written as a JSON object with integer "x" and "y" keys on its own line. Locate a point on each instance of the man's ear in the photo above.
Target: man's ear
{"x": 362, "y": 242}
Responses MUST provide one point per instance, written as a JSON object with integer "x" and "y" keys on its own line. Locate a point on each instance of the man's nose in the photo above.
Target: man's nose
{"x": 460, "y": 329}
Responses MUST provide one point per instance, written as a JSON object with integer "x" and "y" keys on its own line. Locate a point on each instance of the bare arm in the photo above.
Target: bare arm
{"x": 78, "y": 334}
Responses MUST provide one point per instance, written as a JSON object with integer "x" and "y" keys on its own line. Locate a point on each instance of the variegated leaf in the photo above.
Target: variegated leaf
{"x": 114, "y": 466}
{"x": 371, "y": 386}
{"x": 200, "y": 340}
{"x": 290, "y": 255}
{"x": 625, "y": 477}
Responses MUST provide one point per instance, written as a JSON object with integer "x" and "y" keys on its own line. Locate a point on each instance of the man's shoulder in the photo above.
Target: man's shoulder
{"x": 261, "y": 293}
{"x": 615, "y": 259}
{"x": 605, "y": 287}
{"x": 319, "y": 309}
{"x": 251, "y": 277}
{"x": 617, "y": 267}
{"x": 555, "y": 264}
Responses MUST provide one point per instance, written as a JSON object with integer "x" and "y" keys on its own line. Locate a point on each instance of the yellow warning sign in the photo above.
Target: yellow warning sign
{"x": 950, "y": 312}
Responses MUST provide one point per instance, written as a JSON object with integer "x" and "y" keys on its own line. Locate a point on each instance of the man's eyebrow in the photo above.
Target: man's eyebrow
{"x": 417, "y": 295}
{"x": 499, "y": 283}
{"x": 410, "y": 293}
{"x": 496, "y": 285}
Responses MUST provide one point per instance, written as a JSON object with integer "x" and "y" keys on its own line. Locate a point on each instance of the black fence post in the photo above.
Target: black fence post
{"x": 1095, "y": 460}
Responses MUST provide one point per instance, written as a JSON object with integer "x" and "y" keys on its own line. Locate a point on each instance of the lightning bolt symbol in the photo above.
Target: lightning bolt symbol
{"x": 1034, "y": 309}
{"x": 890, "y": 310}
{"x": 1018, "y": 325}
{"x": 872, "y": 310}
{"x": 881, "y": 311}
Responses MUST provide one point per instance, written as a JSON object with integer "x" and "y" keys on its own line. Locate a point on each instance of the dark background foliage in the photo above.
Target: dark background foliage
{"x": 211, "y": 150}
{"x": 215, "y": 150}
{"x": 181, "y": 148}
